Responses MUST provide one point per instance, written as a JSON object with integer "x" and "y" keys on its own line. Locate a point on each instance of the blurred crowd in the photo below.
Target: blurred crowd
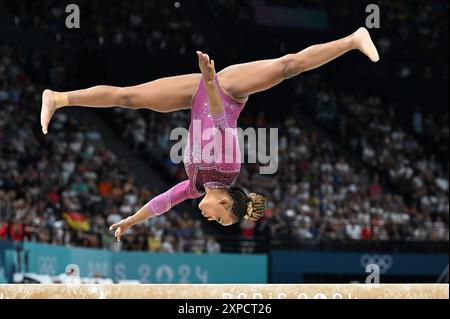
{"x": 411, "y": 32}
{"x": 412, "y": 38}
{"x": 155, "y": 25}
{"x": 370, "y": 128}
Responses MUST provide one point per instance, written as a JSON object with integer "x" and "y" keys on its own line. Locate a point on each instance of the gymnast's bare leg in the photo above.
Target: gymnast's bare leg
{"x": 239, "y": 81}
{"x": 162, "y": 95}
{"x": 242, "y": 80}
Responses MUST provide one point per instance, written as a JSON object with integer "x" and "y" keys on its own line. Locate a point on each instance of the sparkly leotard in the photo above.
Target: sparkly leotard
{"x": 211, "y": 157}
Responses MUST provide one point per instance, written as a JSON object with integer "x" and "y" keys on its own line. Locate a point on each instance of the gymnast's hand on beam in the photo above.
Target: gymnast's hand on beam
{"x": 206, "y": 66}
{"x": 121, "y": 227}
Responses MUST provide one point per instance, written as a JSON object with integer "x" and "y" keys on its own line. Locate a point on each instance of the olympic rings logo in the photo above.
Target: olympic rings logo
{"x": 47, "y": 265}
{"x": 384, "y": 262}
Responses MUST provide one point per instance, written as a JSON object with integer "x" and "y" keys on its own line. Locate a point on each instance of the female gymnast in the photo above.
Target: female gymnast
{"x": 216, "y": 101}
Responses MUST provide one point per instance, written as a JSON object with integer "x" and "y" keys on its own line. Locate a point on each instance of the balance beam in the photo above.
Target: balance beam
{"x": 225, "y": 291}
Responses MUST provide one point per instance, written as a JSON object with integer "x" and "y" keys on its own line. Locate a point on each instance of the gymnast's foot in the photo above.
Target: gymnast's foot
{"x": 47, "y": 109}
{"x": 365, "y": 44}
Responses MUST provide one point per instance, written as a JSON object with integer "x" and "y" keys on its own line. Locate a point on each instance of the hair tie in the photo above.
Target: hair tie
{"x": 249, "y": 210}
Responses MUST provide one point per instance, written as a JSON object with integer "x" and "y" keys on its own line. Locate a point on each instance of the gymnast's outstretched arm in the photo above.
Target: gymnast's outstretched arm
{"x": 224, "y": 138}
{"x": 155, "y": 207}
{"x": 208, "y": 72}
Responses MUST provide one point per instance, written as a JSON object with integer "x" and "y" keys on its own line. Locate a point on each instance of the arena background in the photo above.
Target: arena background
{"x": 363, "y": 175}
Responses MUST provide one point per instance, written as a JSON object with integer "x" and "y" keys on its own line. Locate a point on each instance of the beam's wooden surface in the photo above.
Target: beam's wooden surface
{"x": 224, "y": 291}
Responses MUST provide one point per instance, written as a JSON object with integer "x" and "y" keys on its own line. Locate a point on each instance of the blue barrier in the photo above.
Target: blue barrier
{"x": 293, "y": 266}
{"x": 286, "y": 266}
{"x": 4, "y": 245}
{"x": 148, "y": 267}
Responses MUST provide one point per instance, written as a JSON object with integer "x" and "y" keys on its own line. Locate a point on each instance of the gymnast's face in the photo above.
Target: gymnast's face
{"x": 216, "y": 206}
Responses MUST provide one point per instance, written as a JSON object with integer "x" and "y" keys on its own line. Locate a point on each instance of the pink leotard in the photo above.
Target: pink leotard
{"x": 211, "y": 160}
